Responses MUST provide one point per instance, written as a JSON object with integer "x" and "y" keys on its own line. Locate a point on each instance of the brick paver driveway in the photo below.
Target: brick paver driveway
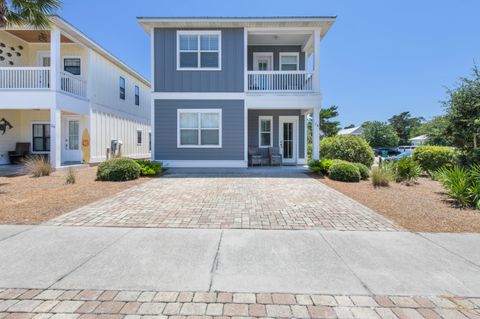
{"x": 250, "y": 199}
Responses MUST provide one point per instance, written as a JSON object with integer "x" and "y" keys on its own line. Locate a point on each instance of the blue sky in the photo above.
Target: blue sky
{"x": 380, "y": 58}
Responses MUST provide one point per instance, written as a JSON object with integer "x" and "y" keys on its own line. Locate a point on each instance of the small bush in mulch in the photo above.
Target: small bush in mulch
{"x": 320, "y": 166}
{"x": 380, "y": 177}
{"x": 364, "y": 171}
{"x": 462, "y": 184}
{"x": 344, "y": 172}
{"x": 118, "y": 169}
{"x": 149, "y": 168}
{"x": 407, "y": 170}
{"x": 38, "y": 166}
{"x": 71, "y": 176}
{"x": 353, "y": 149}
{"x": 432, "y": 158}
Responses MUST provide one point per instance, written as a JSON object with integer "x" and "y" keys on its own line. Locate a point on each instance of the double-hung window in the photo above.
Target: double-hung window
{"x": 72, "y": 65}
{"x": 199, "y": 128}
{"x": 289, "y": 61}
{"x": 137, "y": 95}
{"x": 122, "y": 88}
{"x": 265, "y": 124}
{"x": 199, "y": 50}
{"x": 139, "y": 137}
{"x": 41, "y": 137}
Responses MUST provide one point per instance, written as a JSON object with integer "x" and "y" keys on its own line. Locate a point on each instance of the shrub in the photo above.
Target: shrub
{"x": 380, "y": 176}
{"x": 70, "y": 176}
{"x": 320, "y": 166}
{"x": 406, "y": 170}
{"x": 349, "y": 148}
{"x": 462, "y": 184}
{"x": 432, "y": 158}
{"x": 345, "y": 172}
{"x": 38, "y": 166}
{"x": 148, "y": 168}
{"x": 364, "y": 171}
{"x": 118, "y": 169}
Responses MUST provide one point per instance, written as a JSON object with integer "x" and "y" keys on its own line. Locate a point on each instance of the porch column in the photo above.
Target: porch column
{"x": 55, "y": 59}
{"x": 316, "y": 60}
{"x": 316, "y": 134}
{"x": 55, "y": 138}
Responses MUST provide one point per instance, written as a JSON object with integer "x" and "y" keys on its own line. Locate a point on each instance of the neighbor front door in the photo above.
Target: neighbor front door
{"x": 288, "y": 128}
{"x": 71, "y": 139}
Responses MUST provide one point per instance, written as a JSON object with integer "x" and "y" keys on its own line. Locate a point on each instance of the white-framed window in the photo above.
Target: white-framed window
{"x": 40, "y": 137}
{"x": 289, "y": 61}
{"x": 265, "y": 131}
{"x": 199, "y": 50}
{"x": 72, "y": 65}
{"x": 199, "y": 128}
{"x": 139, "y": 137}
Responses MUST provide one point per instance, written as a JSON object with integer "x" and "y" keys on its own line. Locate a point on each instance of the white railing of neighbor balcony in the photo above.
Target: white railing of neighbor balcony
{"x": 24, "y": 78}
{"x": 73, "y": 84}
{"x": 280, "y": 81}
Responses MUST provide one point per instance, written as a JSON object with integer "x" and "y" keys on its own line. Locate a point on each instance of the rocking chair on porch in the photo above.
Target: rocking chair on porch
{"x": 22, "y": 150}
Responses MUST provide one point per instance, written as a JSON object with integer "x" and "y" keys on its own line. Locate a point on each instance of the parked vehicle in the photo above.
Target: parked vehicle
{"x": 405, "y": 148}
{"x": 384, "y": 152}
{"x": 406, "y": 153}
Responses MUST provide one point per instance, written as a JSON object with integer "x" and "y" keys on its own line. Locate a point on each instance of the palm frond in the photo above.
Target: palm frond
{"x": 36, "y": 13}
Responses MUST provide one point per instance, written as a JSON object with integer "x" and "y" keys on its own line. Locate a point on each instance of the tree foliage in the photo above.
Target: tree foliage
{"x": 403, "y": 123}
{"x": 435, "y": 129}
{"x": 463, "y": 111}
{"x": 328, "y": 126}
{"x": 379, "y": 134}
{"x": 35, "y": 13}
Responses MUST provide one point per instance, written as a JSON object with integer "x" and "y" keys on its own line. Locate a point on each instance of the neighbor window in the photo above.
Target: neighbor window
{"x": 122, "y": 88}
{"x": 72, "y": 65}
{"x": 289, "y": 61}
{"x": 137, "y": 95}
{"x": 41, "y": 137}
{"x": 199, "y": 128}
{"x": 265, "y": 131}
{"x": 199, "y": 50}
{"x": 139, "y": 137}
{"x": 149, "y": 141}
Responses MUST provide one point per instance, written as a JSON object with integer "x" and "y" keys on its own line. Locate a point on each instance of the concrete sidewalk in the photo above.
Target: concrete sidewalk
{"x": 320, "y": 262}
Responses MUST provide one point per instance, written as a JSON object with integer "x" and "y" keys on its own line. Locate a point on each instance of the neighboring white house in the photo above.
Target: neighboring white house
{"x": 418, "y": 140}
{"x": 355, "y": 131}
{"x": 68, "y": 97}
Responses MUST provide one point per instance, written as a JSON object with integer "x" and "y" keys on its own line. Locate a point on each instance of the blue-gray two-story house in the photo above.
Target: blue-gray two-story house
{"x": 223, "y": 86}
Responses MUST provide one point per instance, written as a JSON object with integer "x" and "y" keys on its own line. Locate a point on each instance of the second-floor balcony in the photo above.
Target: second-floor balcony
{"x": 280, "y": 81}
{"x": 38, "y": 78}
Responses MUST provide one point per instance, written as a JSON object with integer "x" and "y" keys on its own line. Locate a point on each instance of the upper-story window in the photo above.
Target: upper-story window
{"x": 137, "y": 95}
{"x": 122, "y": 88}
{"x": 72, "y": 65}
{"x": 289, "y": 61}
{"x": 199, "y": 50}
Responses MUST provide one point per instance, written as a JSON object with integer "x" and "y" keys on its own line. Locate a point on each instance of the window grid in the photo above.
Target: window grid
{"x": 262, "y": 131}
{"x": 199, "y": 128}
{"x": 194, "y": 41}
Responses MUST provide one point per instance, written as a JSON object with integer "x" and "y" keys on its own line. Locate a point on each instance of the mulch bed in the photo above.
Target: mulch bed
{"x": 423, "y": 207}
{"x": 30, "y": 200}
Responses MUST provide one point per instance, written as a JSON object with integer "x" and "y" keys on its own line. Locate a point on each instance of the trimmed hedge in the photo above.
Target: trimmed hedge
{"x": 364, "y": 171}
{"x": 432, "y": 158}
{"x": 118, "y": 169}
{"x": 320, "y": 166}
{"x": 353, "y": 149}
{"x": 148, "y": 168}
{"x": 345, "y": 172}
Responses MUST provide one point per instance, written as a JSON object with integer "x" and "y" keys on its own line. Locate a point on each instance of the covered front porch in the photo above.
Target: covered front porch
{"x": 55, "y": 134}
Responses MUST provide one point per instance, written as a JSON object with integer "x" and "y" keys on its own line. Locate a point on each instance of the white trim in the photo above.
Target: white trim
{"x": 152, "y": 89}
{"x": 245, "y": 133}
{"x": 282, "y": 54}
{"x": 200, "y": 111}
{"x": 203, "y": 163}
{"x": 199, "y": 50}
{"x": 269, "y": 118}
{"x": 72, "y": 57}
{"x": 197, "y": 96}
{"x": 31, "y": 136}
{"x": 305, "y": 132}
{"x": 301, "y": 161}
{"x": 245, "y": 60}
{"x": 295, "y": 120}
{"x": 257, "y": 55}
{"x": 141, "y": 137}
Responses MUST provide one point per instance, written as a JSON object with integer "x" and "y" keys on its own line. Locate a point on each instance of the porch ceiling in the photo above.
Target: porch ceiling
{"x": 36, "y": 36}
{"x": 278, "y": 39}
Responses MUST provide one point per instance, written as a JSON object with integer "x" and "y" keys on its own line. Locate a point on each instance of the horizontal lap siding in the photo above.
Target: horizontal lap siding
{"x": 166, "y": 130}
{"x": 228, "y": 79}
{"x": 253, "y": 116}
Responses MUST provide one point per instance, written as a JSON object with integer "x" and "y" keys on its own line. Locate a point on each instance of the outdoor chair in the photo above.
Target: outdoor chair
{"x": 254, "y": 156}
{"x": 22, "y": 150}
{"x": 275, "y": 156}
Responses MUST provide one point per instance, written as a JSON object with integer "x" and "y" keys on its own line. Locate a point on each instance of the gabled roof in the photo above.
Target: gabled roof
{"x": 419, "y": 138}
{"x": 350, "y": 131}
{"x": 325, "y": 22}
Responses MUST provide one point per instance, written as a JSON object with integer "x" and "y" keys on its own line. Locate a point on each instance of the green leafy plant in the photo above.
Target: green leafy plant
{"x": 118, "y": 169}
{"x": 432, "y": 158}
{"x": 320, "y": 166}
{"x": 406, "y": 170}
{"x": 71, "y": 176}
{"x": 381, "y": 176}
{"x": 344, "y": 172}
{"x": 148, "y": 168}
{"x": 353, "y": 149}
{"x": 38, "y": 166}
{"x": 462, "y": 184}
{"x": 364, "y": 171}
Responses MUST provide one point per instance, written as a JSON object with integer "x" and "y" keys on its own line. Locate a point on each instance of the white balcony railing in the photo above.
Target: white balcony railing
{"x": 73, "y": 84}
{"x": 24, "y": 78}
{"x": 280, "y": 81}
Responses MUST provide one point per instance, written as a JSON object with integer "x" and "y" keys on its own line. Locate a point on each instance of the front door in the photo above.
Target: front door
{"x": 288, "y": 128}
{"x": 71, "y": 139}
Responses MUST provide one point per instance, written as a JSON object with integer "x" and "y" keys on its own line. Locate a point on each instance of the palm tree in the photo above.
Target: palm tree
{"x": 35, "y": 13}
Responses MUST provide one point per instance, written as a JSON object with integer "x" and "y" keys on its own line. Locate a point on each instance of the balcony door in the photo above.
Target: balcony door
{"x": 262, "y": 61}
{"x": 43, "y": 60}
{"x": 288, "y": 138}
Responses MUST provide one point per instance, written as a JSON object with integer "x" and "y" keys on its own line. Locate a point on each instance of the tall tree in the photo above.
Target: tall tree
{"x": 349, "y": 126}
{"x": 35, "y": 13}
{"x": 403, "y": 123}
{"x": 379, "y": 134}
{"x": 328, "y": 126}
{"x": 435, "y": 129}
{"x": 463, "y": 111}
